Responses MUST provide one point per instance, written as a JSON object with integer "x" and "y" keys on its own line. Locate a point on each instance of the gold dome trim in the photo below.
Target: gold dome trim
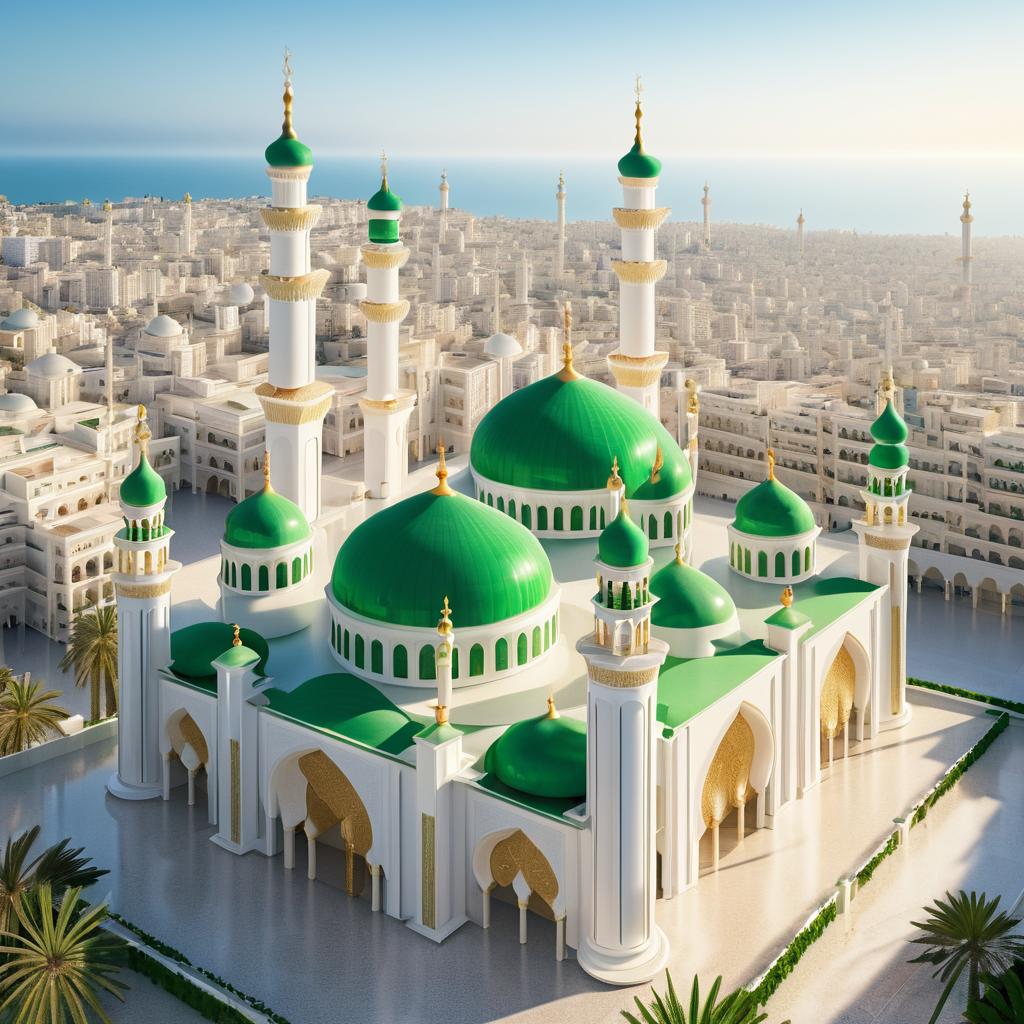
{"x": 384, "y": 312}
{"x": 284, "y": 218}
{"x": 383, "y": 259}
{"x": 642, "y": 220}
{"x": 639, "y": 271}
{"x": 295, "y": 289}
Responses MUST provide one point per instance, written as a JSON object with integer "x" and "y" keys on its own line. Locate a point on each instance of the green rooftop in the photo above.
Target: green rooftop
{"x": 825, "y": 600}
{"x": 550, "y": 807}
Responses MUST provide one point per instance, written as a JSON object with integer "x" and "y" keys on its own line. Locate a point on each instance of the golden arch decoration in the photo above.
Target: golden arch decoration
{"x": 193, "y": 736}
{"x": 837, "y": 694}
{"x": 331, "y": 799}
{"x": 727, "y": 783}
{"x": 517, "y": 853}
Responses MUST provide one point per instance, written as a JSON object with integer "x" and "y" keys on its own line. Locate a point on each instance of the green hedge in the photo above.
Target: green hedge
{"x": 784, "y": 966}
{"x": 865, "y": 873}
{"x": 958, "y": 691}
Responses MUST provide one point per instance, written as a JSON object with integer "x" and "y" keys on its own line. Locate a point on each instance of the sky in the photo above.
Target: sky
{"x": 846, "y": 78}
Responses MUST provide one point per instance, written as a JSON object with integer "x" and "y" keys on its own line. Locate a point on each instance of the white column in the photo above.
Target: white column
{"x": 560, "y": 252}
{"x": 289, "y": 847}
{"x": 522, "y": 922}
{"x": 375, "y": 887}
{"x": 310, "y": 853}
{"x": 706, "y": 204}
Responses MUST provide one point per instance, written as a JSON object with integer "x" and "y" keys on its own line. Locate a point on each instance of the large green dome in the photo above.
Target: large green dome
{"x": 265, "y": 519}
{"x": 771, "y": 509}
{"x": 889, "y": 428}
{"x": 399, "y": 564}
{"x": 889, "y": 456}
{"x": 544, "y": 756}
{"x": 689, "y": 599}
{"x": 288, "y": 152}
{"x": 143, "y": 486}
{"x": 622, "y": 543}
{"x": 561, "y": 434}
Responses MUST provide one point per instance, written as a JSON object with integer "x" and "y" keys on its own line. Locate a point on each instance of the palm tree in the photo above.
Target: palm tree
{"x": 55, "y": 968}
{"x": 1003, "y": 1002}
{"x": 92, "y": 653}
{"x": 967, "y": 932}
{"x": 6, "y": 678}
{"x": 28, "y": 716}
{"x": 738, "y": 1008}
{"x": 57, "y": 866}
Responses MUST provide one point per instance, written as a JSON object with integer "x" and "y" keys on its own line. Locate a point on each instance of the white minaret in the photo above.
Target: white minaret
{"x": 443, "y": 190}
{"x": 560, "y": 199}
{"x": 635, "y": 365}
{"x": 884, "y": 534}
{"x": 523, "y": 281}
{"x": 294, "y": 401}
{"x": 620, "y": 943}
{"x": 186, "y": 229}
{"x": 966, "y": 259}
{"x": 143, "y": 586}
{"x": 496, "y": 313}
{"x": 108, "y": 234}
{"x": 706, "y": 203}
{"x": 386, "y": 407}
{"x": 800, "y": 234}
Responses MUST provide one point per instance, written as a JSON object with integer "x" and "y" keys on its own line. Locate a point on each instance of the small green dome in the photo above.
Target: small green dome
{"x": 398, "y": 565}
{"x": 638, "y": 164}
{"x": 688, "y": 598}
{"x": 238, "y": 657}
{"x": 385, "y": 200}
{"x": 889, "y": 456}
{"x": 265, "y": 519}
{"x": 561, "y": 432}
{"x": 544, "y": 756}
{"x": 889, "y": 428}
{"x": 771, "y": 509}
{"x": 288, "y": 152}
{"x": 196, "y": 647}
{"x": 143, "y": 486}
{"x": 622, "y": 543}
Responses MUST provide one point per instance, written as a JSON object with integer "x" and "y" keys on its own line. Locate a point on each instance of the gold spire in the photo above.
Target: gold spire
{"x": 693, "y": 402}
{"x": 287, "y": 131}
{"x": 561, "y": 181}
{"x": 787, "y": 597}
{"x": 236, "y": 640}
{"x": 444, "y": 627}
{"x": 552, "y": 710}
{"x": 638, "y": 114}
{"x": 567, "y": 372}
{"x": 771, "y": 463}
{"x": 441, "y": 714}
{"x": 659, "y": 464}
{"x": 614, "y": 481}
{"x": 142, "y": 431}
{"x": 188, "y": 198}
{"x": 966, "y": 217}
{"x": 442, "y": 473}
{"x": 679, "y": 538}
{"x": 383, "y": 171}
{"x": 266, "y": 470}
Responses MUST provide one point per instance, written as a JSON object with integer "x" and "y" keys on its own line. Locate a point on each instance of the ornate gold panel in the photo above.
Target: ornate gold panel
{"x": 194, "y": 738}
{"x": 727, "y": 784}
{"x": 384, "y": 312}
{"x": 517, "y": 853}
{"x": 622, "y": 680}
{"x": 383, "y": 259}
{"x": 639, "y": 271}
{"x": 236, "y": 793}
{"x": 428, "y": 869}
{"x": 331, "y": 787}
{"x": 640, "y": 219}
{"x": 837, "y": 694}
{"x": 143, "y": 590}
{"x": 295, "y": 289}
{"x": 887, "y": 543}
{"x": 282, "y": 218}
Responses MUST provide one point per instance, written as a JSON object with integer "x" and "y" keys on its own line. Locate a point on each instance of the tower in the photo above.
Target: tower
{"x": 108, "y": 234}
{"x": 884, "y": 534}
{"x": 523, "y": 281}
{"x": 800, "y": 234}
{"x": 186, "y": 227}
{"x": 143, "y": 586}
{"x": 706, "y": 203}
{"x": 560, "y": 199}
{"x": 620, "y": 943}
{"x": 635, "y": 365}
{"x": 386, "y": 408}
{"x": 966, "y": 259}
{"x": 443, "y": 190}
{"x": 443, "y": 653}
{"x": 294, "y": 401}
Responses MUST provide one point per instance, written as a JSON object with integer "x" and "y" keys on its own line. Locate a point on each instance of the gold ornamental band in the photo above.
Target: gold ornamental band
{"x": 295, "y": 289}
{"x": 377, "y": 258}
{"x": 887, "y": 543}
{"x": 639, "y": 271}
{"x": 236, "y": 791}
{"x": 143, "y": 590}
{"x": 640, "y": 219}
{"x": 307, "y": 393}
{"x": 282, "y": 218}
{"x": 637, "y": 371}
{"x": 638, "y": 182}
{"x": 384, "y": 312}
{"x": 622, "y": 680}
{"x": 428, "y": 870}
{"x": 405, "y": 400}
{"x": 290, "y": 173}
{"x": 293, "y": 415}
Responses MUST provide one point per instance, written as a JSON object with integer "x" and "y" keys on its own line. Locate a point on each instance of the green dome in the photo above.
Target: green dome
{"x": 384, "y": 199}
{"x": 399, "y": 564}
{"x": 195, "y": 648}
{"x": 143, "y": 486}
{"x": 561, "y": 433}
{"x": 638, "y": 164}
{"x": 542, "y": 756}
{"x": 889, "y": 456}
{"x": 622, "y": 543}
{"x": 689, "y": 599}
{"x": 265, "y": 519}
{"x": 238, "y": 657}
{"x": 771, "y": 509}
{"x": 889, "y": 428}
{"x": 288, "y": 152}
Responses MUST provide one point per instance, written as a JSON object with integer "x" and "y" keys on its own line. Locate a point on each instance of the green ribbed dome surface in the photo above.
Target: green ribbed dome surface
{"x": 194, "y": 648}
{"x": 561, "y": 435}
{"x": 385, "y": 200}
{"x": 622, "y": 543}
{"x": 689, "y": 599}
{"x": 771, "y": 509}
{"x": 143, "y": 486}
{"x": 288, "y": 152}
{"x": 265, "y": 519}
{"x": 889, "y": 456}
{"x": 889, "y": 428}
{"x": 542, "y": 757}
{"x": 638, "y": 164}
{"x": 400, "y": 563}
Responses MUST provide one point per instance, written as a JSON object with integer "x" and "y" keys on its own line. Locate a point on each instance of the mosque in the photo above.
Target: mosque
{"x": 512, "y": 683}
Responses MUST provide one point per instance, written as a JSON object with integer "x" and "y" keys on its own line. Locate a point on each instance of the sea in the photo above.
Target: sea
{"x": 867, "y": 195}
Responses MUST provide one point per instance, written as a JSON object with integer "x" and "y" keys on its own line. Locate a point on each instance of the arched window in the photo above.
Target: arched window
{"x": 746, "y": 560}
{"x": 547, "y": 635}
{"x": 400, "y": 662}
{"x": 536, "y": 642}
{"x": 476, "y": 660}
{"x": 225, "y": 576}
{"x": 377, "y": 657}
{"x": 512, "y": 507}
{"x": 626, "y": 597}
{"x": 483, "y": 497}
{"x": 807, "y": 559}
{"x": 234, "y": 575}
{"x": 668, "y": 525}
{"x": 148, "y": 562}
{"x": 559, "y": 519}
{"x": 527, "y": 517}
{"x": 501, "y": 503}
{"x": 334, "y": 634}
{"x": 455, "y": 663}
{"x": 360, "y": 651}
{"x": 611, "y": 595}
{"x": 490, "y": 500}
{"x": 762, "y": 563}
{"x": 780, "y": 564}
{"x": 554, "y": 629}
{"x": 576, "y": 518}
{"x": 796, "y": 562}
{"x": 345, "y": 646}
{"x": 264, "y": 578}
{"x": 593, "y": 517}
{"x": 542, "y": 517}
{"x": 652, "y": 527}
{"x": 282, "y": 575}
{"x": 427, "y": 661}
{"x": 522, "y": 652}
{"x": 602, "y": 517}
{"x": 501, "y": 655}
{"x": 246, "y": 576}
{"x": 296, "y": 570}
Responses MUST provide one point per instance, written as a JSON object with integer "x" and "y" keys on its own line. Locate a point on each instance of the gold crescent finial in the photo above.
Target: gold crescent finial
{"x": 444, "y": 627}
{"x": 236, "y": 640}
{"x": 787, "y": 597}
{"x": 771, "y": 463}
{"x": 659, "y": 464}
{"x": 142, "y": 431}
{"x": 287, "y": 131}
{"x": 442, "y": 471}
{"x": 567, "y": 371}
{"x": 614, "y": 480}
{"x": 383, "y": 170}
{"x": 552, "y": 710}
{"x": 287, "y": 67}
{"x": 638, "y": 114}
{"x": 266, "y": 469}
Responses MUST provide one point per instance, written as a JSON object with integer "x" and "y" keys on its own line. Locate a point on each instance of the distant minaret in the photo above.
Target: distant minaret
{"x": 706, "y": 203}
{"x": 108, "y": 234}
{"x": 443, "y": 204}
{"x": 187, "y": 226}
{"x": 523, "y": 281}
{"x": 966, "y": 259}
{"x": 800, "y": 234}
{"x": 635, "y": 365}
{"x": 560, "y": 197}
{"x": 496, "y": 315}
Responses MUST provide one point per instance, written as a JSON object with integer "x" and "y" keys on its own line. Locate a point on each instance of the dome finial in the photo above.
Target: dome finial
{"x": 638, "y": 114}
{"x": 786, "y": 597}
{"x": 142, "y": 431}
{"x": 442, "y": 472}
{"x": 266, "y": 470}
{"x": 287, "y": 131}
{"x": 567, "y": 371}
{"x": 444, "y": 627}
{"x": 615, "y": 481}
{"x": 552, "y": 710}
{"x": 771, "y": 463}
{"x": 659, "y": 464}
{"x": 236, "y": 640}
{"x": 679, "y": 537}
{"x": 383, "y": 171}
